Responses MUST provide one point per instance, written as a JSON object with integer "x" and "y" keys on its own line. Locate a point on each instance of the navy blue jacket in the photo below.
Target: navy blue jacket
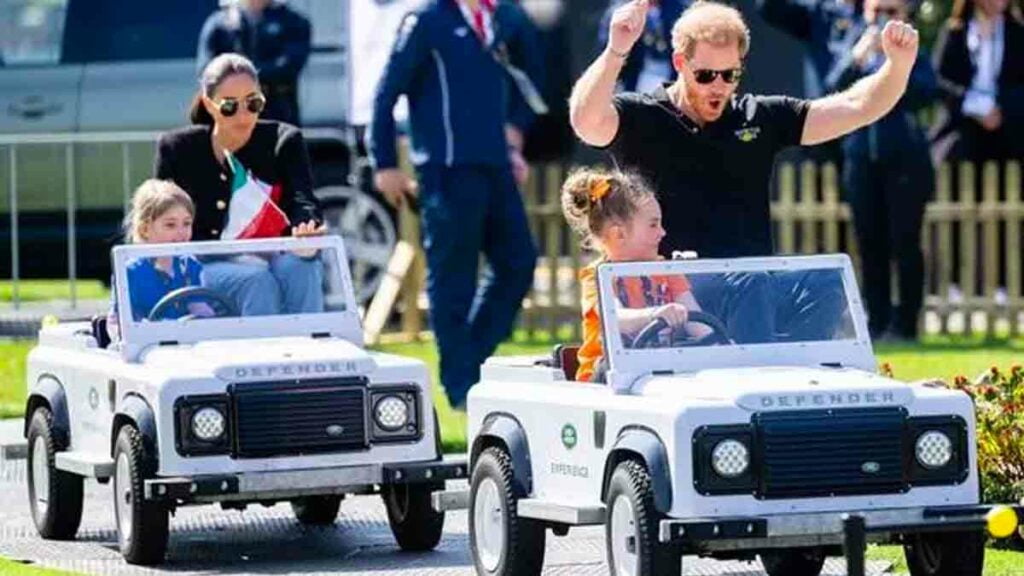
{"x": 822, "y": 25}
{"x": 460, "y": 97}
{"x": 899, "y": 133}
{"x": 651, "y": 44}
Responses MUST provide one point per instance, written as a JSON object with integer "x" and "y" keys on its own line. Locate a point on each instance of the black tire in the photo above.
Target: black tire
{"x": 523, "y": 542}
{"x": 945, "y": 553}
{"x": 316, "y": 510}
{"x": 62, "y": 515}
{"x": 146, "y": 543}
{"x": 793, "y": 562}
{"x": 632, "y": 481}
{"x": 417, "y": 527}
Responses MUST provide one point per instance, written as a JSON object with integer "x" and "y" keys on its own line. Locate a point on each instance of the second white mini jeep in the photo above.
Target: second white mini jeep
{"x": 196, "y": 403}
{"x": 747, "y": 431}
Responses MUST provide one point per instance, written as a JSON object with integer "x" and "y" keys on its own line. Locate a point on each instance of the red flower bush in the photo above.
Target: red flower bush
{"x": 999, "y": 412}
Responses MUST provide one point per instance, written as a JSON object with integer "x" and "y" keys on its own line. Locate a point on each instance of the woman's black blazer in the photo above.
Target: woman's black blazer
{"x": 275, "y": 154}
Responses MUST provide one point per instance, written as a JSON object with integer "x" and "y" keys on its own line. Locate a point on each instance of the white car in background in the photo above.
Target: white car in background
{"x": 229, "y": 409}
{"x": 697, "y": 445}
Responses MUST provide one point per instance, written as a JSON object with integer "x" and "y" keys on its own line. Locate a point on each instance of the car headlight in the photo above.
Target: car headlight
{"x": 391, "y": 413}
{"x": 933, "y": 449}
{"x": 730, "y": 458}
{"x": 208, "y": 424}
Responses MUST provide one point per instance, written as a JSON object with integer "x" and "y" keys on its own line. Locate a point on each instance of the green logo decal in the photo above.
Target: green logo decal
{"x": 569, "y": 436}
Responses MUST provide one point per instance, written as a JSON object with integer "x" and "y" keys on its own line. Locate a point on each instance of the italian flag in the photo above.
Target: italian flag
{"x": 253, "y": 212}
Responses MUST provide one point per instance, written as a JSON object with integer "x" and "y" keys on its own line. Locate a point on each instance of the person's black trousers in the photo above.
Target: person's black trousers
{"x": 888, "y": 197}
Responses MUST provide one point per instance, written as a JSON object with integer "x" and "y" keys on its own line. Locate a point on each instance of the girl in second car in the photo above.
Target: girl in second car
{"x": 617, "y": 214}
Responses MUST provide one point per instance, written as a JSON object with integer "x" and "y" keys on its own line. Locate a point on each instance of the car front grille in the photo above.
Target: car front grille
{"x": 830, "y": 452}
{"x": 293, "y": 418}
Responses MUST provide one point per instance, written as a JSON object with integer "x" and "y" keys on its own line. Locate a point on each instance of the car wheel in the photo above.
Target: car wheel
{"x": 632, "y": 524}
{"x": 793, "y": 562}
{"x": 414, "y": 522}
{"x": 142, "y": 525}
{"x": 502, "y": 543}
{"x": 945, "y": 553}
{"x": 316, "y": 510}
{"x": 55, "y": 496}
{"x": 369, "y": 228}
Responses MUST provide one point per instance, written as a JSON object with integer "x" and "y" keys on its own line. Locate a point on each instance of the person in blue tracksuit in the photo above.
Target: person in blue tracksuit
{"x": 456, "y": 61}
{"x": 650, "y": 61}
{"x": 274, "y": 37}
{"x": 888, "y": 176}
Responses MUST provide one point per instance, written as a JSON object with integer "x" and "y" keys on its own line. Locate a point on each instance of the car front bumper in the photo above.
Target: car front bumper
{"x": 798, "y": 530}
{"x": 277, "y": 485}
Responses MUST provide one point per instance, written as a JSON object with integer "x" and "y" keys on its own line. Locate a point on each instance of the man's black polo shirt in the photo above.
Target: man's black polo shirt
{"x": 713, "y": 183}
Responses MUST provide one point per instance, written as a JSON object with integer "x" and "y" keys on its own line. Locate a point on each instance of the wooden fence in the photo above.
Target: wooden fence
{"x": 972, "y": 238}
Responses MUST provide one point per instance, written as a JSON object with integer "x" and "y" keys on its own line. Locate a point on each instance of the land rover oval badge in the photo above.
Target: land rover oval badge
{"x": 335, "y": 430}
{"x": 870, "y": 467}
{"x": 569, "y": 436}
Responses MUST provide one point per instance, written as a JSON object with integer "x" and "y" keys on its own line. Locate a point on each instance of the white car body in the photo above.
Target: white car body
{"x": 305, "y": 377}
{"x": 564, "y": 438}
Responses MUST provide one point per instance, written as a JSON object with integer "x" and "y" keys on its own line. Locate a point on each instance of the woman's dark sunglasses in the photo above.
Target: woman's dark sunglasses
{"x": 891, "y": 13}
{"x": 706, "y": 76}
{"x": 254, "y": 103}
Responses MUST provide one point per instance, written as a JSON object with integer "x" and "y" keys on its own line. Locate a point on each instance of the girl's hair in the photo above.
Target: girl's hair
{"x": 151, "y": 200}
{"x": 215, "y": 72}
{"x": 593, "y": 197}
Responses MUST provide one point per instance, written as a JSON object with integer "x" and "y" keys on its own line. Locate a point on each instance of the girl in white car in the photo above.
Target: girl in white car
{"x": 618, "y": 214}
{"x": 161, "y": 212}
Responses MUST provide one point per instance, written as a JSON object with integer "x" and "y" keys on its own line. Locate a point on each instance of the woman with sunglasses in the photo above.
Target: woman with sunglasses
{"x": 228, "y": 158}
{"x": 887, "y": 176}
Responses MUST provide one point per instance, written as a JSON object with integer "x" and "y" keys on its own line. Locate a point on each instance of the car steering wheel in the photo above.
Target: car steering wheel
{"x": 221, "y": 305}
{"x": 647, "y": 336}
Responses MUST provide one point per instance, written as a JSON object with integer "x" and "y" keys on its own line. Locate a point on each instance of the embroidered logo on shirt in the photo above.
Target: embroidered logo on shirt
{"x": 748, "y": 134}
{"x": 461, "y": 32}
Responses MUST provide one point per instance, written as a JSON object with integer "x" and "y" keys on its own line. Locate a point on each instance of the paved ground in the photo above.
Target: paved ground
{"x": 207, "y": 540}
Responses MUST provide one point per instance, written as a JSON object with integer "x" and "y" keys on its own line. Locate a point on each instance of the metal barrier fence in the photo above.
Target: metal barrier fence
{"x": 69, "y": 141}
{"x": 971, "y": 239}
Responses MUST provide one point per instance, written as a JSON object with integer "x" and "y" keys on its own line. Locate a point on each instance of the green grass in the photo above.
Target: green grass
{"x": 15, "y": 568}
{"x": 38, "y": 290}
{"x": 997, "y": 562}
{"x": 12, "y": 377}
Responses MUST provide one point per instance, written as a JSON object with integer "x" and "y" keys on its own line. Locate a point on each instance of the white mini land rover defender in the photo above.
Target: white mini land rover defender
{"x": 196, "y": 404}
{"x": 747, "y": 431}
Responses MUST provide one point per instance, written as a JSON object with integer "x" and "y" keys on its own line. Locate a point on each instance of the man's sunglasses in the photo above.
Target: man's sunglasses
{"x": 254, "y": 103}
{"x": 706, "y": 76}
{"x": 891, "y": 13}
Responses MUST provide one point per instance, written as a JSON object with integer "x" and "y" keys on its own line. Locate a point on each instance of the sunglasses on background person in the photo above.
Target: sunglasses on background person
{"x": 889, "y": 13}
{"x": 707, "y": 76}
{"x": 254, "y": 103}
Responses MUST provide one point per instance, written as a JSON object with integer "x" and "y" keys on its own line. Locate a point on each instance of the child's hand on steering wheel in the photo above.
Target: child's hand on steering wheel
{"x": 674, "y": 313}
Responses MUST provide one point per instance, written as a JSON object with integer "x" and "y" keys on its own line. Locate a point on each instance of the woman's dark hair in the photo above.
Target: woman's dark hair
{"x": 963, "y": 10}
{"x": 218, "y": 69}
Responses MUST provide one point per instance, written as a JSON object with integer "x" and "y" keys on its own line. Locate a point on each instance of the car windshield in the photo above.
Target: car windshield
{"x": 676, "y": 310}
{"x": 171, "y": 286}
{"x": 235, "y": 289}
